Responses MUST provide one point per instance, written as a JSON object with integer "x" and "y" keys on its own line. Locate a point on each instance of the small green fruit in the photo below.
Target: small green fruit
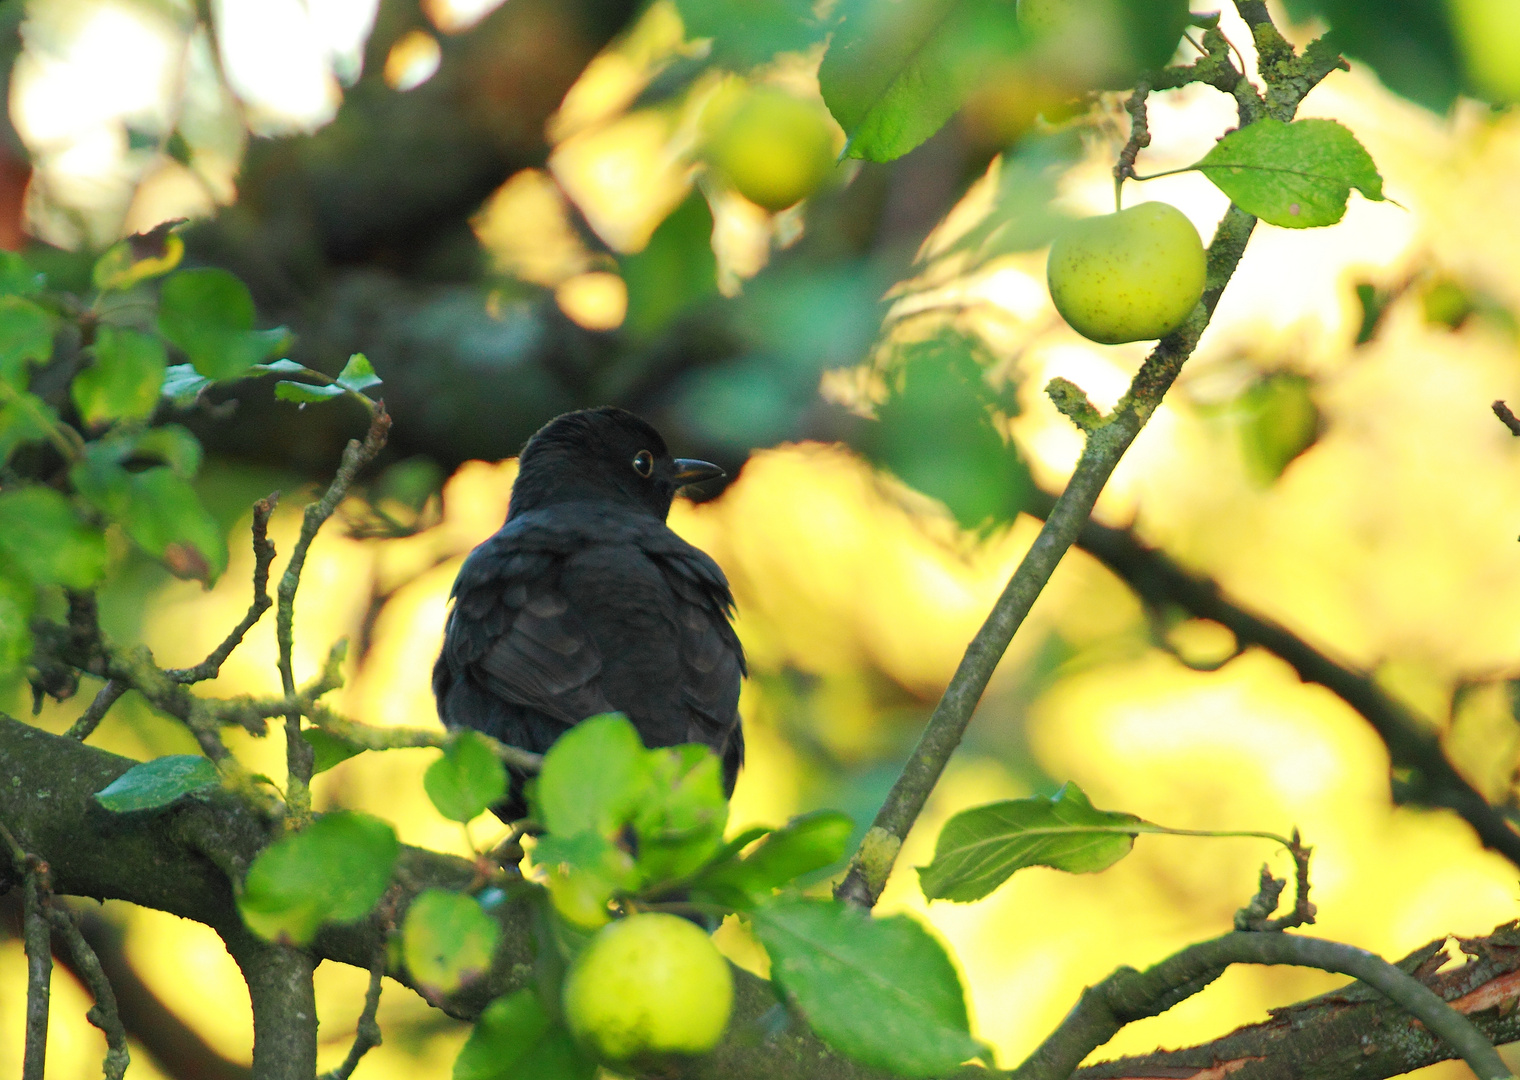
{"x": 1131, "y": 276}
{"x": 776, "y": 149}
{"x": 649, "y": 984}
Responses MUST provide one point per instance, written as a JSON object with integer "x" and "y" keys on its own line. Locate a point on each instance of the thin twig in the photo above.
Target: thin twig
{"x": 263, "y": 555}
{"x": 90, "y": 719}
{"x": 1106, "y": 443}
{"x": 1508, "y": 418}
{"x": 1128, "y": 995}
{"x": 1289, "y": 80}
{"x": 298, "y": 753}
{"x": 367, "y": 1034}
{"x": 104, "y": 1013}
{"x": 39, "y": 953}
{"x": 1139, "y": 138}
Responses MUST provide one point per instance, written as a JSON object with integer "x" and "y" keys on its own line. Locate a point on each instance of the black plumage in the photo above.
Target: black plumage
{"x": 585, "y": 602}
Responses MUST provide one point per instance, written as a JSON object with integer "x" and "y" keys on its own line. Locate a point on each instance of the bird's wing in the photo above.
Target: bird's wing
{"x": 514, "y": 634}
{"x": 712, "y": 660}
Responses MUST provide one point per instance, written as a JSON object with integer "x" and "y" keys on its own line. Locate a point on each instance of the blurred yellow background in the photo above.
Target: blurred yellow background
{"x": 1390, "y": 543}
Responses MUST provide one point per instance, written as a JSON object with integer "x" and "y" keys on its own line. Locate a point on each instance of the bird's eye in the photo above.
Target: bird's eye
{"x": 643, "y": 463}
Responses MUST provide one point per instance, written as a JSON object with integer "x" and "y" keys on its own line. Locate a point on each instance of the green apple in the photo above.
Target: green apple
{"x": 774, "y": 148}
{"x": 649, "y": 984}
{"x": 1130, "y": 276}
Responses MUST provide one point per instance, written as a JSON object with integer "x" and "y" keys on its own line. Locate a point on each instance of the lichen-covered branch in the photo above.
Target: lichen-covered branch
{"x": 367, "y": 1031}
{"x": 298, "y": 753}
{"x": 1129, "y": 995}
{"x": 183, "y": 861}
{"x": 1288, "y": 76}
{"x": 104, "y": 1014}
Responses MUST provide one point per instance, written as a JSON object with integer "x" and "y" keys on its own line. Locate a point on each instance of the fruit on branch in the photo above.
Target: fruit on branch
{"x": 1130, "y": 276}
{"x": 649, "y": 984}
{"x": 774, "y": 148}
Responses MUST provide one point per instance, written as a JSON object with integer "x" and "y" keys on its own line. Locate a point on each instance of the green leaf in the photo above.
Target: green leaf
{"x": 447, "y": 940}
{"x": 24, "y": 419}
{"x": 42, "y": 536}
{"x": 358, "y": 374}
{"x": 895, "y": 72}
{"x": 583, "y": 872}
{"x": 158, "y": 783}
{"x": 675, "y": 271}
{"x": 746, "y": 33}
{"x": 939, "y": 433}
{"x": 1022, "y": 216}
{"x": 335, "y": 870}
{"x": 306, "y": 393}
{"x": 881, "y": 991}
{"x": 282, "y": 367}
{"x": 182, "y": 383}
{"x": 173, "y": 445}
{"x": 17, "y": 277}
{"x": 328, "y": 750}
{"x": 1296, "y": 175}
{"x": 593, "y": 778}
{"x": 141, "y": 256}
{"x": 808, "y": 843}
{"x": 209, "y": 314}
{"x": 125, "y": 380}
{"x": 18, "y": 598}
{"x": 515, "y": 1039}
{"x": 1412, "y": 47}
{"x": 680, "y": 823}
{"x": 159, "y": 510}
{"x": 26, "y": 337}
{"x": 979, "y": 849}
{"x": 1277, "y": 420}
{"x": 467, "y": 779}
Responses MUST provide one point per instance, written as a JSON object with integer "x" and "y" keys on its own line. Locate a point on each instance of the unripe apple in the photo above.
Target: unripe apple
{"x": 774, "y": 148}
{"x": 649, "y": 984}
{"x": 1130, "y": 276}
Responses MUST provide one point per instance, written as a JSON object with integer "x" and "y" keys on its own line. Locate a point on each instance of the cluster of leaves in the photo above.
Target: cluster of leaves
{"x": 90, "y": 454}
{"x": 627, "y": 829}
{"x": 619, "y": 829}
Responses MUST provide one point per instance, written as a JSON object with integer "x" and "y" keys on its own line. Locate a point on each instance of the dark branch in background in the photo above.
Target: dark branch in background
{"x": 1289, "y": 77}
{"x": 1159, "y": 581}
{"x": 298, "y": 752}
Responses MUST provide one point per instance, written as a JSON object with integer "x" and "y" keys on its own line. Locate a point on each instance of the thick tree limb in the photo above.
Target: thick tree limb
{"x": 180, "y": 862}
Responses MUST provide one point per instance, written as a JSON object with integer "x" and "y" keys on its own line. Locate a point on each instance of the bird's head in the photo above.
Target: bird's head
{"x": 605, "y": 454}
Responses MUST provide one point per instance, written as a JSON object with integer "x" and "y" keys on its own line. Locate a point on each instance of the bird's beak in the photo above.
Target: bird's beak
{"x": 692, "y": 471}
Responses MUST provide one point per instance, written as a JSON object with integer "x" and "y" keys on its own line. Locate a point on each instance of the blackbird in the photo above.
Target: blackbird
{"x": 585, "y": 602}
